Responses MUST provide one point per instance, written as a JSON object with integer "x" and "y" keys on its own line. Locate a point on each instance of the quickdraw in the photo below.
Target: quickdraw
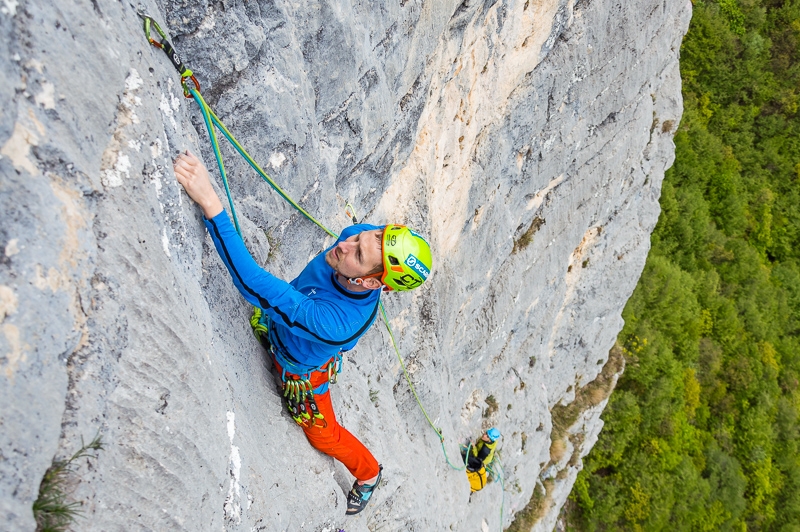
{"x": 299, "y": 397}
{"x": 164, "y": 44}
{"x": 312, "y": 405}
{"x": 350, "y": 212}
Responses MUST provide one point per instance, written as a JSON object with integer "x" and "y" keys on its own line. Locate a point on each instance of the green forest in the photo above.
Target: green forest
{"x": 702, "y": 431}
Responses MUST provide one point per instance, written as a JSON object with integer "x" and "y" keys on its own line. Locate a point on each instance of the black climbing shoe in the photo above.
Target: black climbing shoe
{"x": 359, "y": 496}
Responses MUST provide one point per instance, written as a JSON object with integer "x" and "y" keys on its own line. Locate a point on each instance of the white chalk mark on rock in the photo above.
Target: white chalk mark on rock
{"x": 114, "y": 164}
{"x": 12, "y": 248}
{"x": 165, "y": 242}
{"x": 46, "y": 98}
{"x": 232, "y": 506}
{"x": 9, "y": 7}
{"x": 166, "y": 108}
{"x": 276, "y": 159}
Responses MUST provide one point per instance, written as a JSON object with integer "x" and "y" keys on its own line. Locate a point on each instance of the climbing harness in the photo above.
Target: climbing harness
{"x": 297, "y": 392}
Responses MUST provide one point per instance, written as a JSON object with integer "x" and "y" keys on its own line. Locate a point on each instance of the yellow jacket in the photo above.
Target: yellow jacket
{"x": 481, "y": 454}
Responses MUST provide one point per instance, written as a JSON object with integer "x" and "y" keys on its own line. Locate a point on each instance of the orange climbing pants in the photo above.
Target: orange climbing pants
{"x": 333, "y": 439}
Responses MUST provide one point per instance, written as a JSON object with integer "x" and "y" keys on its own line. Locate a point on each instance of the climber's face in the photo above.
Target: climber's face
{"x": 358, "y": 256}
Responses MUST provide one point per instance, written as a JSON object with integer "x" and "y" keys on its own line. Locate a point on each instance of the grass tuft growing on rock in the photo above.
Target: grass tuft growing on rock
{"x": 51, "y": 509}
{"x": 526, "y": 238}
{"x": 535, "y": 509}
{"x": 564, "y": 416}
{"x": 492, "y": 406}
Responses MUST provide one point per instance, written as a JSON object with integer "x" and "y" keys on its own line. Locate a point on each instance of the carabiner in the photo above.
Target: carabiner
{"x": 350, "y": 212}
{"x": 187, "y": 91}
{"x": 148, "y": 20}
{"x": 164, "y": 44}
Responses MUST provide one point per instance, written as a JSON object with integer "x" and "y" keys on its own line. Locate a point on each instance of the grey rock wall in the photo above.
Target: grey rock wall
{"x": 527, "y": 139}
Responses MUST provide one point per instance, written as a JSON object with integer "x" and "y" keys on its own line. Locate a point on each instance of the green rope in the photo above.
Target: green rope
{"x": 215, "y": 145}
{"x": 414, "y": 391}
{"x": 496, "y": 471}
{"x": 208, "y": 112}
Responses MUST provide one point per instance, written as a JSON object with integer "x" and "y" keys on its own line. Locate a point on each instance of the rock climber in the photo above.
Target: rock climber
{"x": 480, "y": 455}
{"x": 307, "y": 323}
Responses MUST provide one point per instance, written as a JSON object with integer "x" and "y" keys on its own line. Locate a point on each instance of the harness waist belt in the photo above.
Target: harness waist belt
{"x": 287, "y": 361}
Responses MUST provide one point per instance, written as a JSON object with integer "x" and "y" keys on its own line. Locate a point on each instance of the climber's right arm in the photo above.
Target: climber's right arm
{"x": 258, "y": 286}
{"x": 315, "y": 320}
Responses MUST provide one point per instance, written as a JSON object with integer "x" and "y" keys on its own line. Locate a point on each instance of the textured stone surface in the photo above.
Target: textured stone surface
{"x": 528, "y": 139}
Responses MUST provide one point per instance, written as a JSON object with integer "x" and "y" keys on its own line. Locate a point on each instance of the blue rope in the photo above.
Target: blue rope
{"x": 215, "y": 144}
{"x": 210, "y": 116}
{"x": 498, "y": 473}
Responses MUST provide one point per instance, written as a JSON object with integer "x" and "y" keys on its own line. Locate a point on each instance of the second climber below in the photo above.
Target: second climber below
{"x": 481, "y": 454}
{"x": 307, "y": 323}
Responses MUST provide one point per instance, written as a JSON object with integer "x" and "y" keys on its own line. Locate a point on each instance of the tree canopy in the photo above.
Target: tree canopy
{"x": 702, "y": 432}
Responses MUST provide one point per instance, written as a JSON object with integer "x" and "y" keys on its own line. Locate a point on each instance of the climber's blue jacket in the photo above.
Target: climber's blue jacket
{"x": 314, "y": 316}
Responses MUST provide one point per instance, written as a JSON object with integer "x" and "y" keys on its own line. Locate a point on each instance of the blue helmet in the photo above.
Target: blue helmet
{"x": 493, "y": 434}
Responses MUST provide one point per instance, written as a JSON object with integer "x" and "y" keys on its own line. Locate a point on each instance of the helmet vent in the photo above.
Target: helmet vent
{"x": 393, "y": 260}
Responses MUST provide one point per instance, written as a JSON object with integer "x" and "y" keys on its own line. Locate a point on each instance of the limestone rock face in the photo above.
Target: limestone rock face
{"x": 526, "y": 138}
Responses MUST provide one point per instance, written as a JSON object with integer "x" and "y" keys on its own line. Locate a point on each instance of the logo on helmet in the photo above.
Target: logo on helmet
{"x": 409, "y": 281}
{"x": 415, "y": 264}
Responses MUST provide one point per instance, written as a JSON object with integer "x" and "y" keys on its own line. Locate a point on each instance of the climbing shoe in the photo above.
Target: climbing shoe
{"x": 360, "y": 495}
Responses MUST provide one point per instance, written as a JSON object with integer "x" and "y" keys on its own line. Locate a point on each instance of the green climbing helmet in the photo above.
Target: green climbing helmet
{"x": 407, "y": 258}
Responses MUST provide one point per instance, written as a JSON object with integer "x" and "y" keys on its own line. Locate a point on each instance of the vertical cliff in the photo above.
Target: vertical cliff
{"x": 527, "y": 139}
